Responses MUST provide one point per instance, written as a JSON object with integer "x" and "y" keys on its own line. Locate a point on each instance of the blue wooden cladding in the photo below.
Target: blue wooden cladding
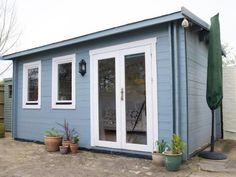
{"x": 8, "y": 103}
{"x": 181, "y": 84}
{"x": 79, "y": 118}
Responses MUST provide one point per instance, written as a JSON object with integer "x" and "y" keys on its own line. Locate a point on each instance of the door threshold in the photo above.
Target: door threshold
{"x": 123, "y": 152}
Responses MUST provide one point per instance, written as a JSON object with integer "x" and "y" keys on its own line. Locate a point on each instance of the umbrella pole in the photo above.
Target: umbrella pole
{"x": 212, "y": 131}
{"x": 211, "y": 154}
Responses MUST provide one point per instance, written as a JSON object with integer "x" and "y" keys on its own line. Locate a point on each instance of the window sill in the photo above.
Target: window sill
{"x": 63, "y": 103}
{"x": 30, "y": 106}
{"x": 63, "y": 106}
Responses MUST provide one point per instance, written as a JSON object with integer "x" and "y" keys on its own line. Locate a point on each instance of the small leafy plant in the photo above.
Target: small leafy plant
{"x": 161, "y": 146}
{"x": 52, "y": 132}
{"x": 75, "y": 139}
{"x": 177, "y": 145}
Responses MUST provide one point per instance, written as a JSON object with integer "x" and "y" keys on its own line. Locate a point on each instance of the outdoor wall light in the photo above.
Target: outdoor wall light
{"x": 185, "y": 23}
{"x": 82, "y": 67}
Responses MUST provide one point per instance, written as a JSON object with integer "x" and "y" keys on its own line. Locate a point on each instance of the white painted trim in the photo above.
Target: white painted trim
{"x": 26, "y": 67}
{"x": 94, "y": 101}
{"x": 92, "y": 107}
{"x": 55, "y": 62}
{"x": 149, "y": 46}
{"x": 154, "y": 95}
{"x": 139, "y": 147}
{"x": 128, "y": 45}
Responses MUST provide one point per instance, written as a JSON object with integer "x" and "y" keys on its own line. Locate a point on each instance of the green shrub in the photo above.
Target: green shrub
{"x": 52, "y": 132}
{"x": 75, "y": 139}
{"x": 177, "y": 145}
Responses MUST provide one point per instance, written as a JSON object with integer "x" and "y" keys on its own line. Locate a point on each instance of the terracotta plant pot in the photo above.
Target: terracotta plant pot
{"x": 64, "y": 149}
{"x": 74, "y": 148}
{"x": 66, "y": 143}
{"x": 158, "y": 159}
{"x": 52, "y": 143}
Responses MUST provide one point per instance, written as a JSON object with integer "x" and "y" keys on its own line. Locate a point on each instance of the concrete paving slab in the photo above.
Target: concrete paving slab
{"x": 228, "y": 147}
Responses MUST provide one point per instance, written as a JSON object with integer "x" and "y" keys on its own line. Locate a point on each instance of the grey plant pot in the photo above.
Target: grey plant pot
{"x": 64, "y": 149}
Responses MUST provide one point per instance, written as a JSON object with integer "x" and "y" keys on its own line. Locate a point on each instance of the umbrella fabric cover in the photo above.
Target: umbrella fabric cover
{"x": 214, "y": 93}
{"x": 214, "y": 72}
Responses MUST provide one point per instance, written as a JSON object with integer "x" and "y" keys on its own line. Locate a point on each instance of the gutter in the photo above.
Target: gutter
{"x": 175, "y": 76}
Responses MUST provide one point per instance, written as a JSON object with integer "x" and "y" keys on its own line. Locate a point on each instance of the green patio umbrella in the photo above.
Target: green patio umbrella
{"x": 214, "y": 92}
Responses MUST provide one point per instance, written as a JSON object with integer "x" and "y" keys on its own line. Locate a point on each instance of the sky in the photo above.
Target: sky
{"x": 45, "y": 21}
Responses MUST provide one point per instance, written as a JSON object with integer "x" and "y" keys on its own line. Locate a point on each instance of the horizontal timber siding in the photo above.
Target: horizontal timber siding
{"x": 31, "y": 123}
{"x": 7, "y": 105}
{"x": 199, "y": 115}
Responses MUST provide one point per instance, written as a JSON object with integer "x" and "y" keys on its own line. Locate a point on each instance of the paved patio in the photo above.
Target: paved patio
{"x": 26, "y": 159}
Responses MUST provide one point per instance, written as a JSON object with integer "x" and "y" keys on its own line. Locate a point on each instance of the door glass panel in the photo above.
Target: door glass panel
{"x": 107, "y": 101}
{"x": 135, "y": 99}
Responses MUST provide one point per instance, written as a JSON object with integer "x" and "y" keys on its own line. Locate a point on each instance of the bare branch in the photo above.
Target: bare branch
{"x": 12, "y": 45}
{"x": 3, "y": 23}
{"x": 8, "y": 35}
{"x": 230, "y": 58}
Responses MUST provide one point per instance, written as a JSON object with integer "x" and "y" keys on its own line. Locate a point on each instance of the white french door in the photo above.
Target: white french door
{"x": 122, "y": 100}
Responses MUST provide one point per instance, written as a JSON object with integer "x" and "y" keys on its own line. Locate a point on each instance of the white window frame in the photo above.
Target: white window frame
{"x": 25, "y": 102}
{"x": 55, "y": 62}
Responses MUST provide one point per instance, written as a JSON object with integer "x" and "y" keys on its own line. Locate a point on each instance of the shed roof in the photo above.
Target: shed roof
{"x": 116, "y": 30}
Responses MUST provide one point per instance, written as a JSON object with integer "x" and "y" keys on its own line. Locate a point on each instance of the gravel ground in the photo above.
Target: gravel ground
{"x": 26, "y": 159}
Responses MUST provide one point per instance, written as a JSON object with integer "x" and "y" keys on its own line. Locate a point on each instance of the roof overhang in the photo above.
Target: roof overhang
{"x": 112, "y": 31}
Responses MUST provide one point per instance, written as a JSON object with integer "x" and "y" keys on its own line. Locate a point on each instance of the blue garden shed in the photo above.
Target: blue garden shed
{"x": 8, "y": 103}
{"x": 122, "y": 88}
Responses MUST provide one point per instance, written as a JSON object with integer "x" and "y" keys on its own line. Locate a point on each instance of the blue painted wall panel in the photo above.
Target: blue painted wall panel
{"x": 32, "y": 123}
{"x": 199, "y": 115}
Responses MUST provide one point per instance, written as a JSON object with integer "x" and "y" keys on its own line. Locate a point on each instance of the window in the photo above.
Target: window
{"x": 9, "y": 91}
{"x": 32, "y": 85}
{"x": 63, "y": 82}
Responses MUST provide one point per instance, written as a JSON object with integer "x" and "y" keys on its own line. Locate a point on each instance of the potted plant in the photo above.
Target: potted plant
{"x": 74, "y": 144}
{"x": 173, "y": 158}
{"x": 52, "y": 140}
{"x": 157, "y": 156}
{"x": 67, "y": 133}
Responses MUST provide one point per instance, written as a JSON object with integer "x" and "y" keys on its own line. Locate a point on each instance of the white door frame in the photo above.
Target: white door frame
{"x": 149, "y": 46}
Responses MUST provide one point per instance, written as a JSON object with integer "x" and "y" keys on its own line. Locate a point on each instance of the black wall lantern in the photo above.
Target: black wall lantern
{"x": 82, "y": 67}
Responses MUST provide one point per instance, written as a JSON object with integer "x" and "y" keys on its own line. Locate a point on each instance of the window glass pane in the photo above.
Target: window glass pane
{"x": 9, "y": 91}
{"x": 64, "y": 81}
{"x": 107, "y": 99}
{"x": 33, "y": 84}
{"x": 135, "y": 97}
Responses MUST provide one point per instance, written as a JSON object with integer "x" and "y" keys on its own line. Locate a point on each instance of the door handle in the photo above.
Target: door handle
{"x": 122, "y": 94}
